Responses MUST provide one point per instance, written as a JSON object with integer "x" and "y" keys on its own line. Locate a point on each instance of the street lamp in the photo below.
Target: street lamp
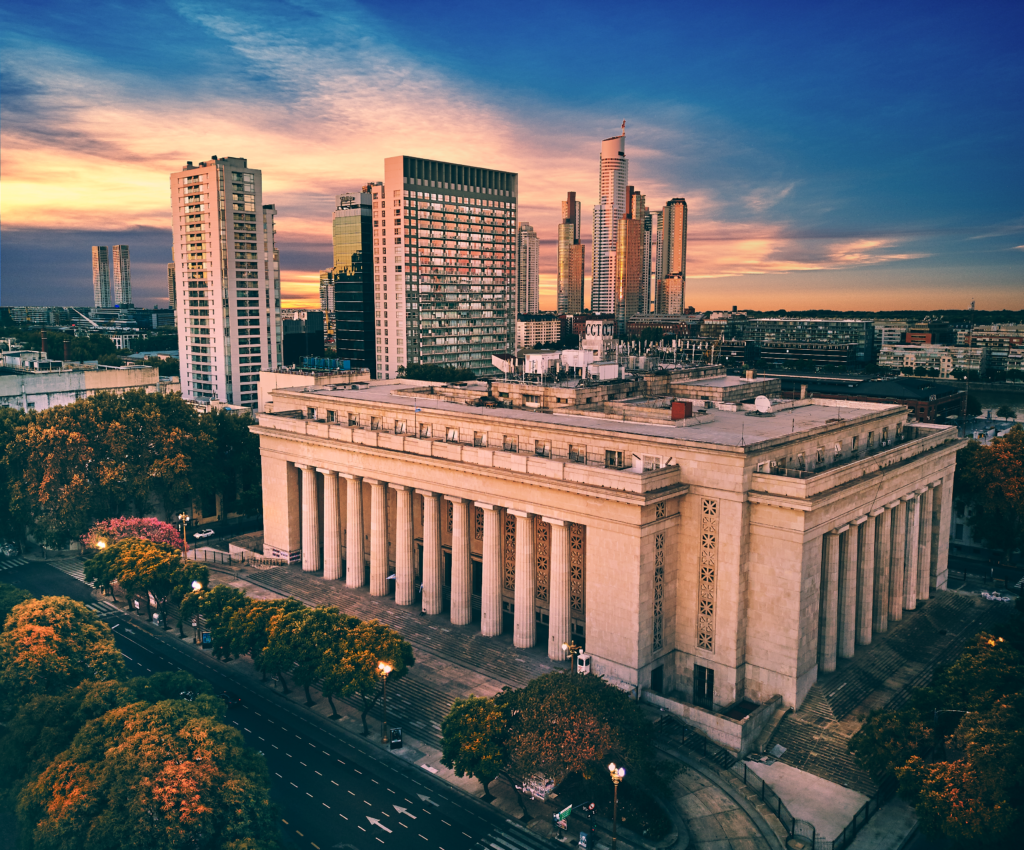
{"x": 385, "y": 668}
{"x": 184, "y": 519}
{"x": 617, "y": 773}
{"x": 196, "y": 587}
{"x": 573, "y": 651}
{"x": 101, "y": 544}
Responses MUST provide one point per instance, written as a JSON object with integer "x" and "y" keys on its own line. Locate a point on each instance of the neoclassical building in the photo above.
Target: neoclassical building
{"x": 728, "y": 554}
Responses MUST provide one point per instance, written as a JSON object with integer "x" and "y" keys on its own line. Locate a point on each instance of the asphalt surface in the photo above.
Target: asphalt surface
{"x": 332, "y": 789}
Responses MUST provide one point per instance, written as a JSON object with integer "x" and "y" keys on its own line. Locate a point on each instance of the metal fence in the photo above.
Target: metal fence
{"x": 793, "y": 827}
{"x": 695, "y": 742}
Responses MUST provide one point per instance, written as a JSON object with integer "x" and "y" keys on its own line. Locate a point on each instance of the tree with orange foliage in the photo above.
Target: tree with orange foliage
{"x": 990, "y": 480}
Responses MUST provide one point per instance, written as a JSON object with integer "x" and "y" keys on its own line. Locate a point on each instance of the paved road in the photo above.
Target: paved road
{"x": 332, "y": 790}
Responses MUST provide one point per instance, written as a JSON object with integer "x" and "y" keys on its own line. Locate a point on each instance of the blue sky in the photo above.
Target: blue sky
{"x": 863, "y": 156}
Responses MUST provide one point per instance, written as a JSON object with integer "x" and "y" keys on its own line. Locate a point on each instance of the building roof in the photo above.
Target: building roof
{"x": 919, "y": 389}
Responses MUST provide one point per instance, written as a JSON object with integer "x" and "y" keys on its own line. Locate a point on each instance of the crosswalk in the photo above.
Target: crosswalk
{"x": 73, "y": 567}
{"x": 103, "y": 609}
{"x": 514, "y": 837}
{"x": 11, "y": 563}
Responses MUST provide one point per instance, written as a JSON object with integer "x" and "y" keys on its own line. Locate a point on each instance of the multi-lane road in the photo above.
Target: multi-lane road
{"x": 332, "y": 789}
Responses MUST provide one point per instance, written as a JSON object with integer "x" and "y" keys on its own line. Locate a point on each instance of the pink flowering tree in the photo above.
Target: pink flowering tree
{"x": 146, "y": 528}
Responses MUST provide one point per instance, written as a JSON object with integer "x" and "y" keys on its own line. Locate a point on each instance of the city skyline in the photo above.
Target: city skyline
{"x": 817, "y": 150}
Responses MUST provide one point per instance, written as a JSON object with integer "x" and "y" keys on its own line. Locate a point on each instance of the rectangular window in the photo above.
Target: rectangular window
{"x": 577, "y": 454}
{"x": 651, "y": 462}
{"x": 399, "y": 426}
{"x": 353, "y": 420}
{"x": 613, "y": 459}
{"x": 330, "y": 415}
{"x": 839, "y": 449}
{"x": 542, "y": 448}
{"x": 885, "y": 436}
{"x": 424, "y": 432}
{"x": 480, "y": 438}
{"x": 856, "y": 442}
{"x": 510, "y": 444}
{"x": 374, "y": 423}
{"x": 820, "y": 456}
{"x": 451, "y": 435}
{"x": 871, "y": 439}
{"x": 311, "y": 413}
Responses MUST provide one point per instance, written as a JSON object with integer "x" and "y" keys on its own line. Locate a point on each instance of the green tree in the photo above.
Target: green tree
{"x": 52, "y": 644}
{"x": 13, "y": 517}
{"x": 888, "y": 740}
{"x": 103, "y": 566}
{"x": 972, "y": 407}
{"x": 9, "y": 597}
{"x": 990, "y": 479}
{"x": 250, "y": 628}
{"x": 168, "y": 775}
{"x": 146, "y": 568}
{"x": 474, "y": 740}
{"x": 219, "y": 606}
{"x": 1006, "y": 412}
{"x": 305, "y": 637}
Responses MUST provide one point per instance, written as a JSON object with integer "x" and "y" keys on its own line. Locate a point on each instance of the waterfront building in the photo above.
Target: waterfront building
{"x": 444, "y": 243}
{"x": 229, "y": 281}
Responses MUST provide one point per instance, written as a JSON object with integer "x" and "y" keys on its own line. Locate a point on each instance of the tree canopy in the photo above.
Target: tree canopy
{"x": 990, "y": 480}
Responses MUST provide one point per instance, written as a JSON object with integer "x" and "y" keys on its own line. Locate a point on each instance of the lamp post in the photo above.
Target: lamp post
{"x": 196, "y": 587}
{"x": 617, "y": 773}
{"x": 385, "y": 668}
{"x": 184, "y": 519}
{"x": 573, "y": 651}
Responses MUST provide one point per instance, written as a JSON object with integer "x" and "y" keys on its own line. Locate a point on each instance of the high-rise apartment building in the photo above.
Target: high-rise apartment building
{"x": 570, "y": 258}
{"x": 228, "y": 298}
{"x": 638, "y": 210}
{"x": 172, "y": 297}
{"x": 444, "y": 244}
{"x": 121, "y": 276}
{"x": 346, "y": 289}
{"x": 613, "y": 192}
{"x": 528, "y": 263}
{"x": 672, "y": 257}
{"x": 100, "y": 276}
{"x": 629, "y": 265}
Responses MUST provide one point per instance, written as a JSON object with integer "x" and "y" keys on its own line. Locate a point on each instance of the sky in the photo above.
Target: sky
{"x": 833, "y": 155}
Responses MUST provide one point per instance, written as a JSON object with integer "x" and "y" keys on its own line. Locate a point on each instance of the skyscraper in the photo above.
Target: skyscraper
{"x": 629, "y": 263}
{"x": 672, "y": 257}
{"x": 172, "y": 298}
{"x": 570, "y": 258}
{"x": 100, "y": 276}
{"x": 444, "y": 244}
{"x": 346, "y": 289}
{"x": 121, "y": 276}
{"x": 528, "y": 246}
{"x": 638, "y": 210}
{"x": 228, "y": 298}
{"x": 613, "y": 187}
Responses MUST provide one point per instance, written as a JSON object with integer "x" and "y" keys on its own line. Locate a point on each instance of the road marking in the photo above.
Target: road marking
{"x": 378, "y": 839}
{"x": 404, "y": 811}
{"x": 376, "y": 822}
{"x": 353, "y": 793}
{"x": 422, "y": 836}
{"x": 299, "y": 737}
{"x": 279, "y": 776}
{"x": 325, "y": 805}
{"x": 299, "y": 834}
{"x": 334, "y": 783}
{"x": 289, "y": 755}
{"x": 303, "y": 764}
{"x": 366, "y": 802}
{"x": 247, "y": 730}
{"x": 293, "y": 785}
{"x": 262, "y": 739}
{"x": 325, "y": 752}
{"x": 285, "y": 822}
{"x": 128, "y": 657}
{"x": 391, "y": 791}
{"x": 308, "y": 794}
{"x": 358, "y": 771}
{"x": 340, "y": 761}
{"x": 317, "y": 848}
{"x": 470, "y": 837}
{"x": 341, "y": 816}
{"x": 375, "y": 782}
{"x": 445, "y": 822}
{"x": 402, "y": 824}
{"x": 275, "y": 746}
{"x": 257, "y": 714}
{"x": 318, "y": 773}
{"x": 361, "y": 828}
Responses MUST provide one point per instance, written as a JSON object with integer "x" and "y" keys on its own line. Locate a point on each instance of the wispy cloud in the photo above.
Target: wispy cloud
{"x": 766, "y": 197}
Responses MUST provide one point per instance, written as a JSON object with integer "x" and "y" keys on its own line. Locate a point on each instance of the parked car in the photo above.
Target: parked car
{"x": 9, "y": 550}
{"x": 232, "y": 700}
{"x": 202, "y": 535}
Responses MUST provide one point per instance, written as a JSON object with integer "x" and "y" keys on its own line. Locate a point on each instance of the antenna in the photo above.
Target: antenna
{"x": 623, "y": 127}
{"x": 762, "y": 404}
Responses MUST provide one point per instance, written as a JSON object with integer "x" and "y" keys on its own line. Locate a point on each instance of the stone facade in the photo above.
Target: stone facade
{"x": 729, "y": 558}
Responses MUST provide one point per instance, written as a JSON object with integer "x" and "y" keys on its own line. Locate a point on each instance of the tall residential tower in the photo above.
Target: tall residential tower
{"x": 100, "y": 276}
{"x": 613, "y": 191}
{"x": 229, "y": 282}
{"x": 570, "y": 258}
{"x": 121, "y": 276}
{"x": 444, "y": 245}
{"x": 528, "y": 252}
{"x": 671, "y": 266}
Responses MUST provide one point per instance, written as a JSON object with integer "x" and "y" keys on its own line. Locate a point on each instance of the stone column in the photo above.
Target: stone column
{"x": 332, "y": 526}
{"x": 405, "y": 571}
{"x": 924, "y": 555}
{"x": 378, "y": 537}
{"x": 559, "y": 630}
{"x": 866, "y": 578}
{"x": 848, "y": 592}
{"x": 883, "y": 555}
{"x": 490, "y": 602}
{"x": 910, "y": 562}
{"x": 310, "y": 520}
{"x": 524, "y": 632}
{"x": 828, "y": 621}
{"x": 898, "y": 561}
{"x": 433, "y": 578}
{"x": 462, "y": 567}
{"x": 355, "y": 568}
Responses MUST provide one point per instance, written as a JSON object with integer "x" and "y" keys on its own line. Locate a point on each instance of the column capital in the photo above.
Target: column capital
{"x": 892, "y": 505}
{"x": 552, "y": 521}
{"x": 398, "y": 486}
{"x": 327, "y": 471}
{"x": 935, "y": 484}
{"x": 350, "y": 477}
{"x": 840, "y": 530}
{"x": 877, "y": 512}
{"x": 921, "y": 491}
{"x": 859, "y": 520}
{"x": 374, "y": 481}
{"x": 455, "y": 500}
{"x": 427, "y": 493}
{"x": 518, "y": 513}
{"x": 909, "y": 497}
{"x": 303, "y": 465}
{"x": 487, "y": 506}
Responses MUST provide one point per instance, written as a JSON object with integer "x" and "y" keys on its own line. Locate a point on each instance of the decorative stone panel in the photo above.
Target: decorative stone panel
{"x": 478, "y": 523}
{"x": 450, "y": 516}
{"x": 659, "y": 589}
{"x": 509, "y": 567}
{"x": 543, "y": 552}
{"x": 577, "y": 567}
{"x": 659, "y": 510}
{"x": 708, "y": 574}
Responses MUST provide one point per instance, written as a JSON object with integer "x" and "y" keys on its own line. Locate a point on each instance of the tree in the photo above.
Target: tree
{"x": 167, "y": 775}
{"x": 219, "y": 606}
{"x": 568, "y": 724}
{"x": 144, "y": 528}
{"x": 1006, "y": 412}
{"x": 249, "y": 630}
{"x": 9, "y": 597}
{"x": 52, "y": 644}
{"x": 474, "y": 740}
{"x": 888, "y": 740}
{"x": 299, "y": 639}
{"x": 146, "y": 568}
{"x": 990, "y": 479}
{"x": 103, "y": 566}
{"x": 972, "y": 407}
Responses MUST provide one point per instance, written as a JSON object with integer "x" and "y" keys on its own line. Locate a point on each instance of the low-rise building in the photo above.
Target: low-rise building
{"x": 945, "y": 360}
{"x": 533, "y": 329}
{"x": 928, "y": 401}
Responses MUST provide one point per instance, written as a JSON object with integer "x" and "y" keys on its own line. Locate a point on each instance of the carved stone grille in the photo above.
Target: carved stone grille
{"x": 577, "y": 566}
{"x": 659, "y": 590}
{"x": 451, "y": 513}
{"x": 659, "y": 510}
{"x": 543, "y": 544}
{"x": 478, "y": 523}
{"x": 708, "y": 574}
{"x": 510, "y": 553}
